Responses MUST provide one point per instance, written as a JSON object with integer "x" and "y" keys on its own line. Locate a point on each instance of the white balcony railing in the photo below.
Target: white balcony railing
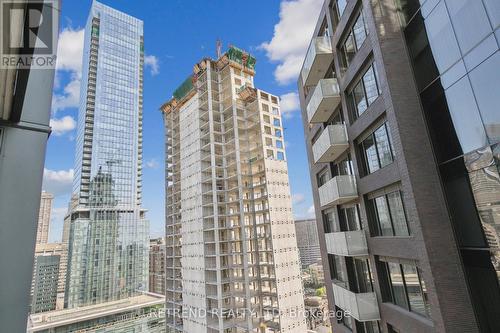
{"x": 362, "y": 306}
{"x": 318, "y": 58}
{"x": 330, "y": 144}
{"x": 324, "y": 100}
{"x": 338, "y": 190}
{"x": 348, "y": 243}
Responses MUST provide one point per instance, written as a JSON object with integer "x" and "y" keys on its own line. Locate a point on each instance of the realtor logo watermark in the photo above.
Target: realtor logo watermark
{"x": 29, "y": 34}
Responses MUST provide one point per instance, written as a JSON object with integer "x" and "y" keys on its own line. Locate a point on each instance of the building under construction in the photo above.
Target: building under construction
{"x": 232, "y": 262}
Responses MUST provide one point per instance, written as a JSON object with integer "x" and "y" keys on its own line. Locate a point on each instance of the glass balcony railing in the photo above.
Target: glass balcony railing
{"x": 348, "y": 243}
{"x": 318, "y": 58}
{"x": 362, "y": 306}
{"x": 338, "y": 190}
{"x": 324, "y": 100}
{"x": 330, "y": 144}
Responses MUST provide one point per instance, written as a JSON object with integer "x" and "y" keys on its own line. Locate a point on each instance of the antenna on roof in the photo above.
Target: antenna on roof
{"x": 219, "y": 48}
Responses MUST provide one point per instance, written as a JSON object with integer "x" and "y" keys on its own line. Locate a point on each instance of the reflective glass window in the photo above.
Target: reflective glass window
{"x": 486, "y": 82}
{"x": 470, "y": 22}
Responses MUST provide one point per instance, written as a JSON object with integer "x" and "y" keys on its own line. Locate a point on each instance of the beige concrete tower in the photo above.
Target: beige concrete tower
{"x": 231, "y": 250}
{"x": 42, "y": 233}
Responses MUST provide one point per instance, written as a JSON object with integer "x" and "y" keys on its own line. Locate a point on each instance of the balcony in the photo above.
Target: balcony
{"x": 318, "y": 58}
{"x": 348, "y": 243}
{"x": 362, "y": 306}
{"x": 324, "y": 100}
{"x": 330, "y": 144}
{"x": 338, "y": 190}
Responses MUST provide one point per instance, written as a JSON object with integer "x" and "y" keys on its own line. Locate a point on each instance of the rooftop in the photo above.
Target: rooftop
{"x": 52, "y": 319}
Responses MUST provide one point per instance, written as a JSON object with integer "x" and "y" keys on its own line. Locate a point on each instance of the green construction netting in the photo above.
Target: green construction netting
{"x": 236, "y": 54}
{"x": 184, "y": 88}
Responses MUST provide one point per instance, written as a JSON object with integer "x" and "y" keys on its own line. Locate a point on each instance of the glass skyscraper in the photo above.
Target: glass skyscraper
{"x": 109, "y": 235}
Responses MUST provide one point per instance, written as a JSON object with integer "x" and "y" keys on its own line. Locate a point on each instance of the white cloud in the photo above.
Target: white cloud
{"x": 289, "y": 104}
{"x": 69, "y": 59}
{"x": 62, "y": 125}
{"x": 311, "y": 212}
{"x": 152, "y": 164}
{"x": 70, "y": 97}
{"x": 298, "y": 198}
{"x": 57, "y": 182}
{"x": 70, "y": 50}
{"x": 291, "y": 38}
{"x": 152, "y": 62}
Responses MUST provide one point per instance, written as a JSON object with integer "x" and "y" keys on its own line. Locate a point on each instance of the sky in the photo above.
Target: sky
{"x": 177, "y": 34}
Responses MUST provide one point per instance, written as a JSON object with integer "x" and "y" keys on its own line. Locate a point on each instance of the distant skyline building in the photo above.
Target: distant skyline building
{"x": 108, "y": 236}
{"x": 157, "y": 266}
{"x": 61, "y": 250}
{"x": 45, "y": 282}
{"x": 230, "y": 238}
{"x": 307, "y": 241}
{"x": 42, "y": 233}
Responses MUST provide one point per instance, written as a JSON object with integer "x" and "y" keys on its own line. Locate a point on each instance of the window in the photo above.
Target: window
{"x": 361, "y": 278}
{"x": 377, "y": 149}
{"x": 329, "y": 221}
{"x": 276, "y": 122}
{"x": 407, "y": 288}
{"x": 281, "y": 156}
{"x": 364, "y": 92}
{"x": 354, "y": 40}
{"x": 349, "y": 218}
{"x": 279, "y": 144}
{"x": 387, "y": 215}
{"x": 276, "y": 111}
{"x": 323, "y": 177}
{"x": 277, "y": 133}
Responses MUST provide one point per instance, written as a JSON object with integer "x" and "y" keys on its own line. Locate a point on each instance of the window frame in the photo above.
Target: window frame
{"x": 352, "y": 105}
{"x": 361, "y": 145}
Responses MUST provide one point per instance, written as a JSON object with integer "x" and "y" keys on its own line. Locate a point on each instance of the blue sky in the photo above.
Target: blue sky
{"x": 177, "y": 34}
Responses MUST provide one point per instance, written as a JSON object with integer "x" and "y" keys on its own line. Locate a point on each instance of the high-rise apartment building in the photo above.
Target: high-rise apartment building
{"x": 42, "y": 233}
{"x": 108, "y": 233}
{"x": 61, "y": 250}
{"x": 25, "y": 104}
{"x": 45, "y": 282}
{"x": 157, "y": 266}
{"x": 307, "y": 241}
{"x": 400, "y": 109}
{"x": 230, "y": 238}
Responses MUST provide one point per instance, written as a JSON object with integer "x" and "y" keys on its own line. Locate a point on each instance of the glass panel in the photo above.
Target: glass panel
{"x": 397, "y": 286}
{"x": 341, "y": 4}
{"x": 485, "y": 82}
{"x": 352, "y": 218}
{"x": 359, "y": 99}
{"x": 465, "y": 116}
{"x": 349, "y": 50}
{"x": 397, "y": 214}
{"x": 493, "y": 9}
{"x": 370, "y": 85}
{"x": 442, "y": 38}
{"x": 329, "y": 221}
{"x": 372, "y": 164}
{"x": 363, "y": 278}
{"x": 414, "y": 290}
{"x": 344, "y": 167}
{"x": 383, "y": 146}
{"x": 384, "y": 220}
{"x": 470, "y": 22}
{"x": 279, "y": 144}
{"x": 359, "y": 30}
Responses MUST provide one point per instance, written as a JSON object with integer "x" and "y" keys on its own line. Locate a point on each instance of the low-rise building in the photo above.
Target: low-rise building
{"x": 144, "y": 313}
